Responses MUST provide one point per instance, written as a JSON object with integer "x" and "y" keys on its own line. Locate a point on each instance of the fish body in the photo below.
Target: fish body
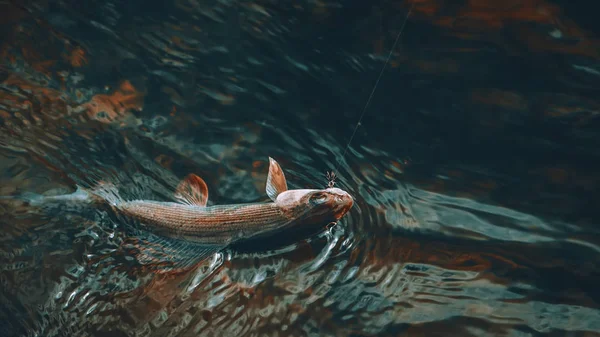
{"x": 220, "y": 224}
{"x": 200, "y": 229}
{"x": 193, "y": 221}
{"x": 185, "y": 231}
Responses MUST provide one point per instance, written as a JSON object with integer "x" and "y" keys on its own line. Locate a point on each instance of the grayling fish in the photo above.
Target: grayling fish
{"x": 198, "y": 230}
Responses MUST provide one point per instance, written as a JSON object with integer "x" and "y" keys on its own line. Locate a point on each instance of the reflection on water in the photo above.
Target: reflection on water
{"x": 474, "y": 173}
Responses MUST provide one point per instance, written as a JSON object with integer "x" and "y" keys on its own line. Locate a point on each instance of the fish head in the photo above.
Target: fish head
{"x": 309, "y": 206}
{"x": 316, "y": 206}
{"x": 334, "y": 202}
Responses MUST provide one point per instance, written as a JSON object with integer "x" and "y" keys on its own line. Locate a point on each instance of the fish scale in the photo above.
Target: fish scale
{"x": 213, "y": 224}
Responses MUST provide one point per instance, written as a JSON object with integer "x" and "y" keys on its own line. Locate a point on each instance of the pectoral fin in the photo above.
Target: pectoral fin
{"x": 276, "y": 182}
{"x": 192, "y": 191}
{"x": 166, "y": 254}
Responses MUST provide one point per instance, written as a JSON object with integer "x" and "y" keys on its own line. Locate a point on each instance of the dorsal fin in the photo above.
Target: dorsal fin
{"x": 275, "y": 180}
{"x": 192, "y": 191}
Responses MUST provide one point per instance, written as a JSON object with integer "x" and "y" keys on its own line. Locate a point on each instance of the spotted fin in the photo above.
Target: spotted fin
{"x": 166, "y": 254}
{"x": 192, "y": 191}
{"x": 276, "y": 182}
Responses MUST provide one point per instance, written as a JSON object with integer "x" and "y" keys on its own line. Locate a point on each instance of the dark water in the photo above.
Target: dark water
{"x": 475, "y": 169}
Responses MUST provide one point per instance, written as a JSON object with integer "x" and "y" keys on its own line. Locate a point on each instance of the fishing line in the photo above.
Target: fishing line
{"x": 331, "y": 180}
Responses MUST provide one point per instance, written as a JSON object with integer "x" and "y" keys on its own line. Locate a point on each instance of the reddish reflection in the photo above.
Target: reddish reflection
{"x": 110, "y": 107}
{"x": 470, "y": 19}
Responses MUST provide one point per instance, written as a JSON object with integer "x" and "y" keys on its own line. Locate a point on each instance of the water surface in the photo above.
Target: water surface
{"x": 475, "y": 169}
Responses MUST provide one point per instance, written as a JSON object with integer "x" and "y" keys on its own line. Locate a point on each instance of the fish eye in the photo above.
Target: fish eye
{"x": 318, "y": 198}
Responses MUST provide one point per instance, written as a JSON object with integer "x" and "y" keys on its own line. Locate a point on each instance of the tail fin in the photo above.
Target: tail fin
{"x": 103, "y": 192}
{"x": 29, "y": 202}
{"x": 27, "y": 198}
{"x": 31, "y": 198}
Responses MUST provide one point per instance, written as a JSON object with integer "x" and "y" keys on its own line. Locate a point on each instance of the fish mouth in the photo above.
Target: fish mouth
{"x": 344, "y": 206}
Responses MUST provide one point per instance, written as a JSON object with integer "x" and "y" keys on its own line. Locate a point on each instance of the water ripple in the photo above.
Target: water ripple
{"x": 471, "y": 218}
